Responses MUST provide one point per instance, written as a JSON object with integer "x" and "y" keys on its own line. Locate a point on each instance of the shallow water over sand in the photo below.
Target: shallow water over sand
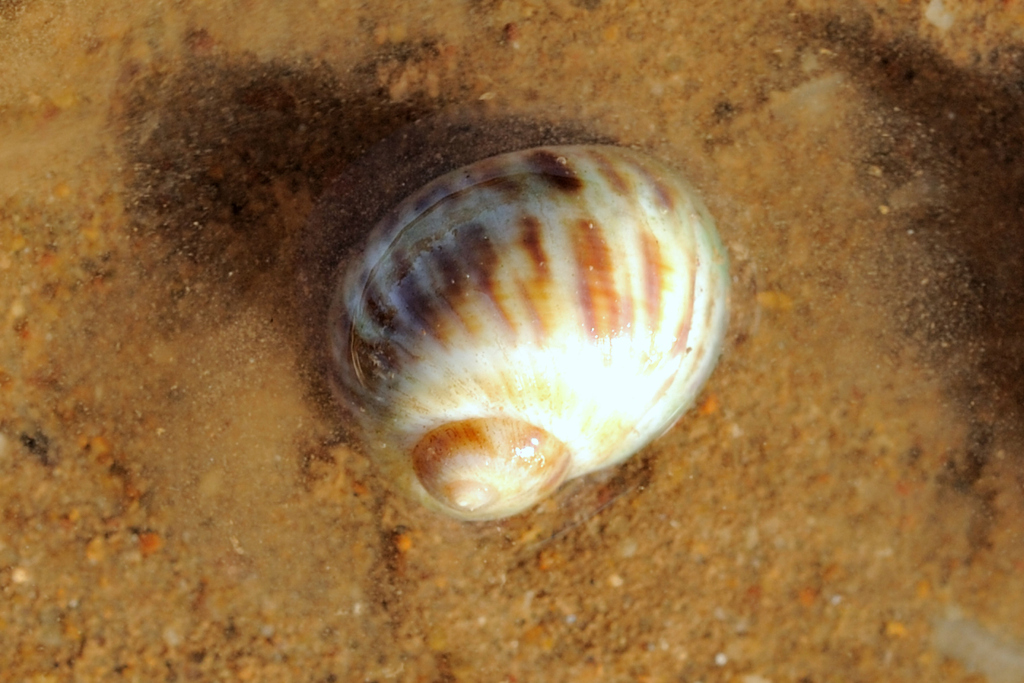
{"x": 181, "y": 500}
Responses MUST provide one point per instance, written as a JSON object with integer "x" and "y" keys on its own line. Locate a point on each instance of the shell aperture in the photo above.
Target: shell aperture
{"x": 528, "y": 319}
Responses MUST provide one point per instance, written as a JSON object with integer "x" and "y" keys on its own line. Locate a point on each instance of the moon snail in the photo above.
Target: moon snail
{"x": 527, "y": 319}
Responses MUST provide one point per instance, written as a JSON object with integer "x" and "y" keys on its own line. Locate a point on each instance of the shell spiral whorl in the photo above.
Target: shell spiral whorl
{"x": 527, "y": 319}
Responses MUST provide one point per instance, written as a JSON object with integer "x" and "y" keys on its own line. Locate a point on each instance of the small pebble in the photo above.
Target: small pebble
{"x": 172, "y": 637}
{"x": 895, "y": 629}
{"x": 150, "y": 542}
{"x": 403, "y": 542}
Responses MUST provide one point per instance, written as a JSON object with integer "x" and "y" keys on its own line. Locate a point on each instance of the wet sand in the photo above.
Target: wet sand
{"x": 181, "y": 499}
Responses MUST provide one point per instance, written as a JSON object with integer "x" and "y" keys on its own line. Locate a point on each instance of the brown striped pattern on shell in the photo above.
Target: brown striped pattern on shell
{"x": 581, "y": 290}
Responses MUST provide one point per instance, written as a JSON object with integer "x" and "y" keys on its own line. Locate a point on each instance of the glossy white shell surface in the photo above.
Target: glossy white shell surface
{"x": 579, "y": 289}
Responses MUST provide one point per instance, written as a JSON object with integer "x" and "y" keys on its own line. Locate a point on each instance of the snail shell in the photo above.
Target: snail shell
{"x": 527, "y": 319}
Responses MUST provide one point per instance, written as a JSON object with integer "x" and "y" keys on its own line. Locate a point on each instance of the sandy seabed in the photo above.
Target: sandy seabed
{"x": 181, "y": 500}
